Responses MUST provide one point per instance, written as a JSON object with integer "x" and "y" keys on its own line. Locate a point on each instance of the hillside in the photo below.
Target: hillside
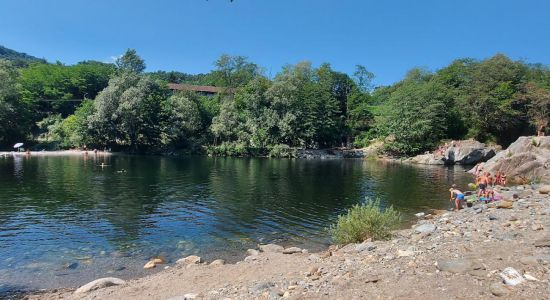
{"x": 20, "y": 59}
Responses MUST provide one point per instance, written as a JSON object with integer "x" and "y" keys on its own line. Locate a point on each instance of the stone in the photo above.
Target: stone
{"x": 158, "y": 260}
{"x": 190, "y": 260}
{"x": 149, "y": 265}
{"x": 543, "y": 242}
{"x": 522, "y": 160}
{"x": 544, "y": 189}
{"x": 504, "y": 204}
{"x": 314, "y": 258}
{"x": 251, "y": 258}
{"x": 272, "y": 248}
{"x": 458, "y": 266}
{"x": 218, "y": 262}
{"x": 99, "y": 284}
{"x": 372, "y": 278}
{"x": 529, "y": 260}
{"x": 292, "y": 250}
{"x": 425, "y": 228}
{"x": 252, "y": 252}
{"x": 420, "y": 214}
{"x": 511, "y": 276}
{"x": 365, "y": 246}
{"x": 71, "y": 266}
{"x": 536, "y": 227}
{"x": 530, "y": 277}
{"x": 498, "y": 289}
{"x": 190, "y": 296}
{"x": 312, "y": 271}
{"x": 404, "y": 253}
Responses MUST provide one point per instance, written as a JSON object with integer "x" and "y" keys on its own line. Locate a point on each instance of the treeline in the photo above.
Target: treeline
{"x": 118, "y": 106}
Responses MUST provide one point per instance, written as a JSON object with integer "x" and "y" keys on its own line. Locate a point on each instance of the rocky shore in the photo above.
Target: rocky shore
{"x": 500, "y": 249}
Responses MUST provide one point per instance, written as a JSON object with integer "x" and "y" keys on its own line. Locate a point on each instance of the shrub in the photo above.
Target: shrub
{"x": 282, "y": 150}
{"x": 365, "y": 221}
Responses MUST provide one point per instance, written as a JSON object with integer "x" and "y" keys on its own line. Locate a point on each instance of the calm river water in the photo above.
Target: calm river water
{"x": 65, "y": 221}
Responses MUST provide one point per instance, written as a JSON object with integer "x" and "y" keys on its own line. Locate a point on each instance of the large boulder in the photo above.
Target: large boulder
{"x": 468, "y": 152}
{"x": 428, "y": 159}
{"x": 527, "y": 158}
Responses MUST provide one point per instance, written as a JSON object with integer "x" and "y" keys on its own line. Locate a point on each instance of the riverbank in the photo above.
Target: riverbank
{"x": 445, "y": 255}
{"x": 53, "y": 153}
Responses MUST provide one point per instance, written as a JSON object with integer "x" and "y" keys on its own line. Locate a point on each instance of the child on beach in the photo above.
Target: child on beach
{"x": 457, "y": 196}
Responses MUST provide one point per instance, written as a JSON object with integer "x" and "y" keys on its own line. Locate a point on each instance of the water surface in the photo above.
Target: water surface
{"x": 66, "y": 220}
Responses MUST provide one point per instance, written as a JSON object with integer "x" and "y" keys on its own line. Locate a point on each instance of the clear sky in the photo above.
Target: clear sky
{"x": 388, "y": 37}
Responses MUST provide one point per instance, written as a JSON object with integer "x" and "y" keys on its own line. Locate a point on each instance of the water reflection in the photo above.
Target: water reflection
{"x": 61, "y": 210}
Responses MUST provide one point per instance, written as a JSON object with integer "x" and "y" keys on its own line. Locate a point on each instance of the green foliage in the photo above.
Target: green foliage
{"x": 181, "y": 119}
{"x": 128, "y": 113}
{"x": 52, "y": 88}
{"x": 130, "y": 62}
{"x": 229, "y": 149}
{"x": 118, "y": 106}
{"x": 14, "y": 114}
{"x": 364, "y": 221}
{"x": 282, "y": 151}
{"x": 418, "y": 114}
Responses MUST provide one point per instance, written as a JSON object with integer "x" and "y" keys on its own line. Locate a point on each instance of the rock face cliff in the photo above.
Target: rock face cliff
{"x": 468, "y": 152}
{"x": 527, "y": 158}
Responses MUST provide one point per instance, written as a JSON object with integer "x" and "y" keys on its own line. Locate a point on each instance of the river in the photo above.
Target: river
{"x": 65, "y": 221}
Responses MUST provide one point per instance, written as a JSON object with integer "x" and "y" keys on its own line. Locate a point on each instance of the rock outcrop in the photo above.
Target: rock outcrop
{"x": 468, "y": 152}
{"x": 528, "y": 158}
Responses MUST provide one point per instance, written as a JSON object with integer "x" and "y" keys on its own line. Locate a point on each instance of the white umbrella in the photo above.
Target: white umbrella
{"x": 17, "y": 145}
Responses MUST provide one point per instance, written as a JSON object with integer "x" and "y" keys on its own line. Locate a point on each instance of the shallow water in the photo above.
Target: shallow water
{"x": 65, "y": 220}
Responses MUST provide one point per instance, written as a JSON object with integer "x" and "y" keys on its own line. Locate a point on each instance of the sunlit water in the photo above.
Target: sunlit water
{"x": 65, "y": 220}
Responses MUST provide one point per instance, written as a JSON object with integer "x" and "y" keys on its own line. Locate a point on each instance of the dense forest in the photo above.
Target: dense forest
{"x": 119, "y": 106}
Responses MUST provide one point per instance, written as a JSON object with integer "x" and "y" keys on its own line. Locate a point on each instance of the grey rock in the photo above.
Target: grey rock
{"x": 272, "y": 248}
{"x": 252, "y": 252}
{"x": 459, "y": 266}
{"x": 218, "y": 262}
{"x": 426, "y": 228}
{"x": 365, "y": 246}
{"x": 543, "y": 242}
{"x": 98, "y": 284}
{"x": 498, "y": 289}
{"x": 292, "y": 250}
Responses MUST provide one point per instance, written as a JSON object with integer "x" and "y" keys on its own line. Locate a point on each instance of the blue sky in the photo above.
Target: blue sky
{"x": 388, "y": 37}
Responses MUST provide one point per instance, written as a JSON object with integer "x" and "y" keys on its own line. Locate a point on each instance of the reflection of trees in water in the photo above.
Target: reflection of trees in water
{"x": 75, "y": 190}
{"x": 199, "y": 198}
{"x": 411, "y": 187}
{"x": 256, "y": 195}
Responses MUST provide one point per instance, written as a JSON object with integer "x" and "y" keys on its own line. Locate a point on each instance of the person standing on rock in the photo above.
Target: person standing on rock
{"x": 457, "y": 196}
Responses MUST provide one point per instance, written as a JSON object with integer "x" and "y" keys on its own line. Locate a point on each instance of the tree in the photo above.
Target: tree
{"x": 127, "y": 113}
{"x": 130, "y": 62}
{"x": 489, "y": 101}
{"x": 234, "y": 71}
{"x": 53, "y": 88}
{"x": 538, "y": 102}
{"x": 14, "y": 114}
{"x": 417, "y": 115}
{"x": 363, "y": 78}
{"x": 181, "y": 120}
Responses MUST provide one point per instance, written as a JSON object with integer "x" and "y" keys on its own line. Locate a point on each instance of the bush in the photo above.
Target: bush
{"x": 364, "y": 221}
{"x": 282, "y": 150}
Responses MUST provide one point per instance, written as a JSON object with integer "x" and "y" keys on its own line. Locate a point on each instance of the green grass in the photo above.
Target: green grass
{"x": 364, "y": 221}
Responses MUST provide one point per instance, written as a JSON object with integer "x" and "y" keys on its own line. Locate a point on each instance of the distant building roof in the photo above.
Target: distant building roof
{"x": 199, "y": 88}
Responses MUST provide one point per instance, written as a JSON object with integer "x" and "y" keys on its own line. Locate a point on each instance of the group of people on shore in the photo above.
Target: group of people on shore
{"x": 484, "y": 184}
